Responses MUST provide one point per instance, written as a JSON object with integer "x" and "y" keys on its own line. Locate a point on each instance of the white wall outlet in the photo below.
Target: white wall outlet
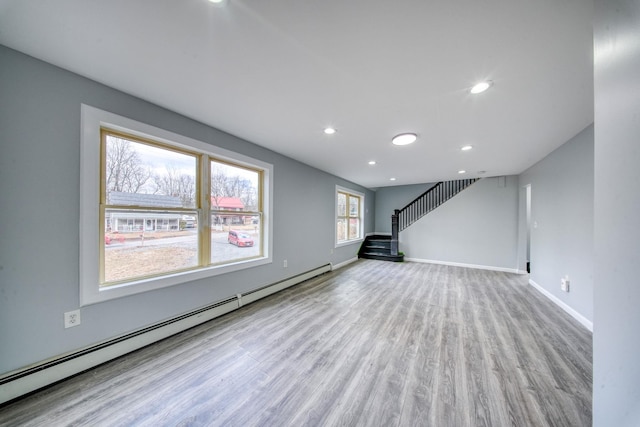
{"x": 564, "y": 284}
{"x": 71, "y": 318}
{"x": 284, "y": 263}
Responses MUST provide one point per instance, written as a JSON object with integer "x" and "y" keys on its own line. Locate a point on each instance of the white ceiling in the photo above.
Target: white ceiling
{"x": 276, "y": 72}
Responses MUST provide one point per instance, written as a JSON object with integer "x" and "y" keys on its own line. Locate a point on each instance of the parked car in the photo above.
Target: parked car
{"x": 239, "y": 238}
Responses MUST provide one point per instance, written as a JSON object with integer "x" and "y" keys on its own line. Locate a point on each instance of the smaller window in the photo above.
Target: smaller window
{"x": 349, "y": 217}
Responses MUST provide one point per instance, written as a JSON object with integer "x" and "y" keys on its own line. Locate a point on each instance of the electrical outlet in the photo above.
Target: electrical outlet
{"x": 71, "y": 318}
{"x": 564, "y": 284}
{"x": 284, "y": 264}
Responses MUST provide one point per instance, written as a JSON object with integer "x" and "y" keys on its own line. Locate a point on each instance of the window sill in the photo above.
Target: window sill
{"x": 139, "y": 286}
{"x": 349, "y": 242}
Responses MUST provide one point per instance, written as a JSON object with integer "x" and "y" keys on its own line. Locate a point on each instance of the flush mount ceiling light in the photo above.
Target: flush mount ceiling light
{"x": 329, "y": 131}
{"x": 392, "y": 179}
{"x": 462, "y": 171}
{"x": 481, "y": 87}
{"x": 217, "y": 1}
{"x": 372, "y": 162}
{"x": 404, "y": 139}
{"x": 466, "y": 147}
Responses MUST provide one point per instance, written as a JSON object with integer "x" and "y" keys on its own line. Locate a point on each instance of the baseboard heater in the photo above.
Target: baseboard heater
{"x": 27, "y": 380}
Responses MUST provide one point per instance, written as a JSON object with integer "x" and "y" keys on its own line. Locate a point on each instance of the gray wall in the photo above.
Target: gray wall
{"x": 616, "y": 338}
{"x": 562, "y": 208}
{"x": 478, "y": 226}
{"x": 390, "y": 198}
{"x": 39, "y": 213}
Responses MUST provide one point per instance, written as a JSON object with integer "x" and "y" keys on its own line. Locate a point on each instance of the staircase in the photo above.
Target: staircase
{"x": 386, "y": 247}
{"x": 379, "y": 247}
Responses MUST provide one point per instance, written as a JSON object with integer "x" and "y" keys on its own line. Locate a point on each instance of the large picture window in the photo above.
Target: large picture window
{"x": 349, "y": 217}
{"x": 166, "y": 209}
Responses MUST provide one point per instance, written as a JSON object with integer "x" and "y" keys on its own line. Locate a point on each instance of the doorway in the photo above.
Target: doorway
{"x": 528, "y": 220}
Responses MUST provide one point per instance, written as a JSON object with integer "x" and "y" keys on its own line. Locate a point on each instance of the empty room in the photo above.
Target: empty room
{"x": 232, "y": 212}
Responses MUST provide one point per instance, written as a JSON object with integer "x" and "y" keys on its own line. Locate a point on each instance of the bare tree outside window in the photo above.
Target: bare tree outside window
{"x": 174, "y": 183}
{"x": 234, "y": 181}
{"x": 126, "y": 171}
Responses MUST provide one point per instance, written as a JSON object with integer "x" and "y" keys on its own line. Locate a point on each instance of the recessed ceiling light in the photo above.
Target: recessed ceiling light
{"x": 217, "y": 1}
{"x": 329, "y": 131}
{"x": 481, "y": 87}
{"x": 466, "y": 147}
{"x": 404, "y": 139}
{"x": 462, "y": 171}
{"x": 372, "y": 162}
{"x": 392, "y": 179}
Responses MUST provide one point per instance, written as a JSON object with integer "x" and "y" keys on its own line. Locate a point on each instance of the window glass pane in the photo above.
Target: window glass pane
{"x": 341, "y": 228}
{"x": 354, "y": 228}
{"x": 140, "y": 243}
{"x": 342, "y": 204}
{"x": 139, "y": 174}
{"x": 234, "y": 188}
{"x": 235, "y": 237}
{"x": 354, "y": 206}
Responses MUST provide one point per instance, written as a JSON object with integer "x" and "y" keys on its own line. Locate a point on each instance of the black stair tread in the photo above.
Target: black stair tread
{"x": 384, "y": 257}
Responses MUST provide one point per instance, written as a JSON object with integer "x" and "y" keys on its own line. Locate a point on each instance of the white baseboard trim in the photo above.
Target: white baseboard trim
{"x": 32, "y": 378}
{"x": 257, "y": 294}
{"x": 461, "y": 264}
{"x": 579, "y": 317}
{"x": 344, "y": 263}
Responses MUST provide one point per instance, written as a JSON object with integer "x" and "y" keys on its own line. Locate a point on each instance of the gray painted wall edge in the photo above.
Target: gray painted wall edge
{"x": 616, "y": 347}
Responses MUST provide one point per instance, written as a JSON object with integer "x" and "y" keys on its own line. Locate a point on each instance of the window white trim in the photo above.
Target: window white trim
{"x": 340, "y": 189}
{"x": 92, "y": 119}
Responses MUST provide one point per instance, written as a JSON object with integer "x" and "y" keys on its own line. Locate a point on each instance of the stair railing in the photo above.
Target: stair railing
{"x": 425, "y": 203}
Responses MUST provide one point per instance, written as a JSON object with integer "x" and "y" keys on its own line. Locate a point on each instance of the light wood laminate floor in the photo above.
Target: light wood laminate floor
{"x": 372, "y": 344}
